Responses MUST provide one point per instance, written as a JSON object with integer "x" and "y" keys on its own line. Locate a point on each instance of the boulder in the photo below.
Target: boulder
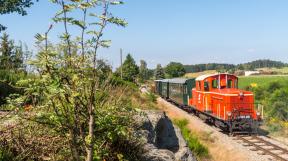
{"x": 162, "y": 141}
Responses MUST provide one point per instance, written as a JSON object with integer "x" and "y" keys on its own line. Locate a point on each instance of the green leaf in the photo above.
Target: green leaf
{"x": 85, "y": 5}
{"x": 96, "y": 23}
{"x": 118, "y": 21}
{"x": 40, "y": 37}
{"x": 93, "y": 33}
{"x": 116, "y": 2}
{"x": 105, "y": 43}
{"x": 81, "y": 24}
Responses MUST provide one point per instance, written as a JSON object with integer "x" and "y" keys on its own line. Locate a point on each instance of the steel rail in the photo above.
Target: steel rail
{"x": 265, "y": 151}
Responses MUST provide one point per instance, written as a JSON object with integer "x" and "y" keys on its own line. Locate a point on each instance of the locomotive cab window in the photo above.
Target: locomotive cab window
{"x": 206, "y": 86}
{"x": 215, "y": 83}
{"x": 236, "y": 83}
{"x": 229, "y": 85}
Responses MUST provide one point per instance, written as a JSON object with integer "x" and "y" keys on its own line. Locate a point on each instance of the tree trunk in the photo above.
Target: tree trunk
{"x": 73, "y": 146}
{"x": 90, "y": 135}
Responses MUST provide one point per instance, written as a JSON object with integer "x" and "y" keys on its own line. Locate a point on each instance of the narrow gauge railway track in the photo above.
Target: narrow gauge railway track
{"x": 267, "y": 148}
{"x": 258, "y": 144}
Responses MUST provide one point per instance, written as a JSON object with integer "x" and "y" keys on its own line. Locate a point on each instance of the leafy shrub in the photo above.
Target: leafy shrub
{"x": 7, "y": 90}
{"x": 11, "y": 76}
{"x": 279, "y": 110}
{"x": 273, "y": 86}
{"x": 274, "y": 127}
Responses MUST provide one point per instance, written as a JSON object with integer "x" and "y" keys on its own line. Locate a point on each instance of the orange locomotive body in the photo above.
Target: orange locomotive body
{"x": 217, "y": 97}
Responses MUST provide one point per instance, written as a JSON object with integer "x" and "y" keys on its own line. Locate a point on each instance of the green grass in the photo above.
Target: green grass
{"x": 193, "y": 142}
{"x": 260, "y": 80}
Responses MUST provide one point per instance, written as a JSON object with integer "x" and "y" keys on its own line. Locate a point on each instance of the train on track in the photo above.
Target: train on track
{"x": 215, "y": 98}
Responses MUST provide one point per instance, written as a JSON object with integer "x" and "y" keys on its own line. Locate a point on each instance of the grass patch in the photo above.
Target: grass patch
{"x": 198, "y": 149}
{"x": 260, "y": 80}
{"x": 151, "y": 97}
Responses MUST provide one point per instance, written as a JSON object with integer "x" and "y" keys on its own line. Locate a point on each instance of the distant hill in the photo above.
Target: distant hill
{"x": 261, "y": 63}
{"x": 209, "y": 66}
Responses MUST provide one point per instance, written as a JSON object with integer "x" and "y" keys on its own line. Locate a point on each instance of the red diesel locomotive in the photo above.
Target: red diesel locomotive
{"x": 216, "y": 98}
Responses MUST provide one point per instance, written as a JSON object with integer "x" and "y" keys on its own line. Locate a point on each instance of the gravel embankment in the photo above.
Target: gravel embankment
{"x": 220, "y": 145}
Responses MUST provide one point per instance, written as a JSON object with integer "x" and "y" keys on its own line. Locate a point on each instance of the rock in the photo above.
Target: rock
{"x": 161, "y": 139}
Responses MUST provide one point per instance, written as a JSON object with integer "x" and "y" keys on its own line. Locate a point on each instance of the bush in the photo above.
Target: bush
{"x": 279, "y": 110}
{"x": 7, "y": 90}
{"x": 11, "y": 76}
{"x": 273, "y": 86}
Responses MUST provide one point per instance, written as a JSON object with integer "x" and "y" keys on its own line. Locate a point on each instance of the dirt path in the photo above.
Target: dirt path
{"x": 221, "y": 146}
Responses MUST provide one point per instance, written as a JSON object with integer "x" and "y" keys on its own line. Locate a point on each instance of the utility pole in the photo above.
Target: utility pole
{"x": 121, "y": 63}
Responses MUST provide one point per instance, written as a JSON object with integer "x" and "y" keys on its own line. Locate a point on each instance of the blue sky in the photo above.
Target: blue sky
{"x": 187, "y": 31}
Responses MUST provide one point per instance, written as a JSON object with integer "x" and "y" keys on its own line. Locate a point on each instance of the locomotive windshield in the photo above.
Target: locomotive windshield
{"x": 215, "y": 83}
{"x": 229, "y": 85}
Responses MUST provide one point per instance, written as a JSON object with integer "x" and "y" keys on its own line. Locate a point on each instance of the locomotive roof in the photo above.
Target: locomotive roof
{"x": 202, "y": 77}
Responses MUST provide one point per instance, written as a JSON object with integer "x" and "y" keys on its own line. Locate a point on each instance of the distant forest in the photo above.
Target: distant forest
{"x": 245, "y": 66}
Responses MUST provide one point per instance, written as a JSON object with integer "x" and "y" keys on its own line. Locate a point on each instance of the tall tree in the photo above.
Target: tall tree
{"x": 11, "y": 6}
{"x": 11, "y": 55}
{"x": 143, "y": 71}
{"x": 175, "y": 69}
{"x": 159, "y": 72}
{"x": 6, "y": 51}
{"x": 130, "y": 69}
{"x": 18, "y": 57}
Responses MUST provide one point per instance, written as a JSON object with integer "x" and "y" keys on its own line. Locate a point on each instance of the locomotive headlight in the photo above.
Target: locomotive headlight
{"x": 258, "y": 113}
{"x": 229, "y": 114}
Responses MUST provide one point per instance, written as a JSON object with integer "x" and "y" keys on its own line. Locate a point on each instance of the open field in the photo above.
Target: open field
{"x": 283, "y": 70}
{"x": 261, "y": 80}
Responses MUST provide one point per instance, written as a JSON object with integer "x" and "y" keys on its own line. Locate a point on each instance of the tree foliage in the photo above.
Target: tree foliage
{"x": 159, "y": 72}
{"x": 11, "y": 6}
{"x": 143, "y": 71}
{"x": 175, "y": 69}
{"x": 130, "y": 69}
{"x": 12, "y": 56}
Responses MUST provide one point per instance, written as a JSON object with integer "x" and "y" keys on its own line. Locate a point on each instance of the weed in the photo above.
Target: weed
{"x": 193, "y": 142}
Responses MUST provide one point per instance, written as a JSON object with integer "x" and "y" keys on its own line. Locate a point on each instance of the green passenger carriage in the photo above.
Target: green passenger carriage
{"x": 180, "y": 90}
{"x": 177, "y": 89}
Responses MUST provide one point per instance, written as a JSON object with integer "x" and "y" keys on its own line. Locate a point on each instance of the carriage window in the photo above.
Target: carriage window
{"x": 185, "y": 89}
{"x": 206, "y": 86}
{"x": 215, "y": 83}
{"x": 229, "y": 83}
